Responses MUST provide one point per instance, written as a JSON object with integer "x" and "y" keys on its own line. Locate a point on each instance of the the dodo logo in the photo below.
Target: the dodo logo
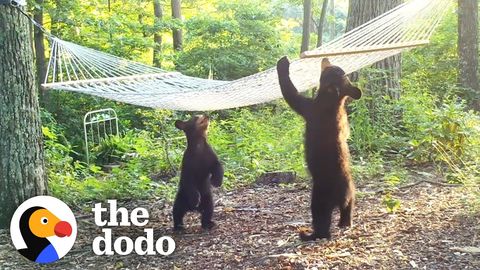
{"x": 43, "y": 229}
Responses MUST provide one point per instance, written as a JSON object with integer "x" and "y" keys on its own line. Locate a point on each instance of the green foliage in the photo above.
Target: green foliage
{"x": 112, "y": 29}
{"x": 72, "y": 180}
{"x": 68, "y": 110}
{"x": 430, "y": 123}
{"x": 392, "y": 205}
{"x": 110, "y": 150}
{"x": 434, "y": 67}
{"x": 444, "y": 127}
{"x": 421, "y": 127}
{"x": 253, "y": 142}
{"x": 236, "y": 40}
{"x": 396, "y": 176}
{"x": 373, "y": 125}
{"x": 367, "y": 168}
{"x": 249, "y": 143}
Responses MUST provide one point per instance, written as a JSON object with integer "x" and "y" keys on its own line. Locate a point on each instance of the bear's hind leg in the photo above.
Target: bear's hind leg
{"x": 322, "y": 208}
{"x": 346, "y": 212}
{"x": 179, "y": 210}
{"x": 206, "y": 209}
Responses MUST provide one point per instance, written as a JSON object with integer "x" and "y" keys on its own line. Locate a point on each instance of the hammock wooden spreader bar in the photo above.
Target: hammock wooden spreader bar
{"x": 370, "y": 49}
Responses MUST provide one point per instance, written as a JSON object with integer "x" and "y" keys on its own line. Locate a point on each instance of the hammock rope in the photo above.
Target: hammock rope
{"x": 80, "y": 69}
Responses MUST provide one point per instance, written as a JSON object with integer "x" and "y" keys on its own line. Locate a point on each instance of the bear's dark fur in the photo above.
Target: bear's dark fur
{"x": 326, "y": 148}
{"x": 200, "y": 169}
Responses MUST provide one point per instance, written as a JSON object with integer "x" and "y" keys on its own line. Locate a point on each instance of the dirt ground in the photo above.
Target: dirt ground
{"x": 434, "y": 228}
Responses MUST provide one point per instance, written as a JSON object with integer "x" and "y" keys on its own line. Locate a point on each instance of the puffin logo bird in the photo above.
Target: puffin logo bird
{"x": 36, "y": 225}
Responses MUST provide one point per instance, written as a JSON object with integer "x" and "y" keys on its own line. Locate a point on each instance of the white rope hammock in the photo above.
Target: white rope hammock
{"x": 80, "y": 69}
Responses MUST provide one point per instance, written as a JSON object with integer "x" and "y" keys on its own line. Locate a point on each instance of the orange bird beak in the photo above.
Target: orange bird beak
{"x": 63, "y": 229}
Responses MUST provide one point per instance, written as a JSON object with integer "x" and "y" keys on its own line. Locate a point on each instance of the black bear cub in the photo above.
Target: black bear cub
{"x": 200, "y": 169}
{"x": 326, "y": 148}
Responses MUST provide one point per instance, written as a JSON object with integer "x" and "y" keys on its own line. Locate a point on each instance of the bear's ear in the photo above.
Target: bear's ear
{"x": 325, "y": 63}
{"x": 355, "y": 92}
{"x": 180, "y": 124}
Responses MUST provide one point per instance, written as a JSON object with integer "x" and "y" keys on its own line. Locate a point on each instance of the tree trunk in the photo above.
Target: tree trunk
{"x": 22, "y": 173}
{"x": 177, "y": 32}
{"x": 39, "y": 45}
{"x": 388, "y": 80}
{"x": 157, "y": 37}
{"x": 333, "y": 30}
{"x": 110, "y": 34}
{"x": 321, "y": 23}
{"x": 307, "y": 15}
{"x": 54, "y": 22}
{"x": 468, "y": 47}
{"x": 141, "y": 16}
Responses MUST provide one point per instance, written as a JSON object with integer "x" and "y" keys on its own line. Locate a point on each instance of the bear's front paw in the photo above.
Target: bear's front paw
{"x": 283, "y": 66}
{"x": 208, "y": 225}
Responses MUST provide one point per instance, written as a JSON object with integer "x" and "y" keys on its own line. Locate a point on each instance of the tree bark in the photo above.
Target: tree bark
{"x": 388, "y": 81}
{"x": 141, "y": 16}
{"x": 157, "y": 37}
{"x": 307, "y": 15}
{"x": 177, "y": 32}
{"x": 321, "y": 23}
{"x": 22, "y": 173}
{"x": 54, "y": 22}
{"x": 333, "y": 30}
{"x": 39, "y": 45}
{"x": 468, "y": 47}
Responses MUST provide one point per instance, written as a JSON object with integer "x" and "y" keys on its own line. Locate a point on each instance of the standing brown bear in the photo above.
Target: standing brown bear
{"x": 326, "y": 148}
{"x": 200, "y": 169}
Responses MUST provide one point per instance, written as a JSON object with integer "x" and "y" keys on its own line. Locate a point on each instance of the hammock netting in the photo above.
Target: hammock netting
{"x": 80, "y": 69}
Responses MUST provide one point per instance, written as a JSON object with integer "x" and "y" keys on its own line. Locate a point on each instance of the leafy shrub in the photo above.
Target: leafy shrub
{"x": 110, "y": 150}
{"x": 252, "y": 142}
{"x": 391, "y": 203}
{"x": 73, "y": 181}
